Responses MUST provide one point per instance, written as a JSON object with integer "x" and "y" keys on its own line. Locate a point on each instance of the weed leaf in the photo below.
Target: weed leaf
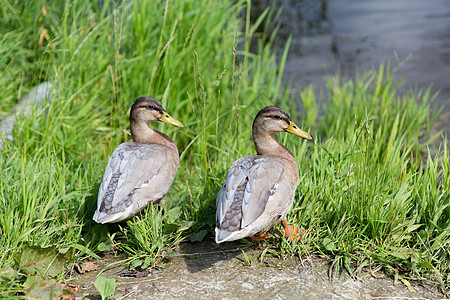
{"x": 105, "y": 287}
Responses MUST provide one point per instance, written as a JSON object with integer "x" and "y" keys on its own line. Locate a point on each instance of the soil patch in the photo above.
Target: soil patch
{"x": 207, "y": 271}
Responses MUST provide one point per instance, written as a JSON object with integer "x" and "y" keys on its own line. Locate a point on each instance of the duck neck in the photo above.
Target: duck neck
{"x": 143, "y": 134}
{"x": 266, "y": 144}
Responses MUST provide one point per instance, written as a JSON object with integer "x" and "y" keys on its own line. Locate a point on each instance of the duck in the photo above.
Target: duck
{"x": 140, "y": 172}
{"x": 259, "y": 189}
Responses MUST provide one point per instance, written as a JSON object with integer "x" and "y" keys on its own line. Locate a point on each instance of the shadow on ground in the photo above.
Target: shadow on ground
{"x": 208, "y": 271}
{"x": 198, "y": 257}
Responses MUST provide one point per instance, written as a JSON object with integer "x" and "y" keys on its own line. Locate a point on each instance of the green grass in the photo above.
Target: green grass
{"x": 372, "y": 193}
{"x": 372, "y": 188}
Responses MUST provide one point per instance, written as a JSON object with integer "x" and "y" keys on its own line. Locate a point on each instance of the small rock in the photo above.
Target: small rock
{"x": 36, "y": 98}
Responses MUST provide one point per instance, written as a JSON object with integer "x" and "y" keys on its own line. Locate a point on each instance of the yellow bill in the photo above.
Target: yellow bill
{"x": 169, "y": 120}
{"x": 294, "y": 129}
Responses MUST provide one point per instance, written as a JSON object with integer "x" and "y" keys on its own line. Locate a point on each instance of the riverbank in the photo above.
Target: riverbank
{"x": 234, "y": 271}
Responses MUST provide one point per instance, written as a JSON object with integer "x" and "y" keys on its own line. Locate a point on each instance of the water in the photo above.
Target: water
{"x": 350, "y": 36}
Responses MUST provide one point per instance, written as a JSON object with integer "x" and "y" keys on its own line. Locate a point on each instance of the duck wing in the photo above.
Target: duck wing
{"x": 132, "y": 167}
{"x": 249, "y": 186}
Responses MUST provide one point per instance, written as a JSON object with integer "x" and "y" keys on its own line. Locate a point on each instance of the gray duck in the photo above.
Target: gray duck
{"x": 139, "y": 172}
{"x": 259, "y": 189}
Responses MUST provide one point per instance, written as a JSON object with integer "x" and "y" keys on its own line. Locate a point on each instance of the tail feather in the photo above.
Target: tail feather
{"x": 221, "y": 235}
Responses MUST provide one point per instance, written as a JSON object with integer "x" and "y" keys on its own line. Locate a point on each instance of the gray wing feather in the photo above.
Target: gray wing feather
{"x": 226, "y": 194}
{"x": 263, "y": 175}
{"x": 264, "y": 179}
{"x": 135, "y": 165}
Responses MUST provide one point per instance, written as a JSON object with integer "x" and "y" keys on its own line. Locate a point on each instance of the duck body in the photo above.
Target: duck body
{"x": 259, "y": 189}
{"x": 248, "y": 199}
{"x": 123, "y": 193}
{"x": 141, "y": 172}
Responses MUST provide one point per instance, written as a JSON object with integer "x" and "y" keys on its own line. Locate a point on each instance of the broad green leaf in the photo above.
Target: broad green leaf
{"x": 8, "y": 272}
{"x": 147, "y": 262}
{"x": 44, "y": 290}
{"x": 186, "y": 225}
{"x": 43, "y": 261}
{"x": 135, "y": 263}
{"x": 105, "y": 287}
{"x": 173, "y": 214}
{"x": 198, "y": 236}
{"x": 105, "y": 246}
{"x": 170, "y": 228}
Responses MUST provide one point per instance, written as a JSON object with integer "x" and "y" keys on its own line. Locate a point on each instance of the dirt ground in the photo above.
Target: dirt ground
{"x": 205, "y": 271}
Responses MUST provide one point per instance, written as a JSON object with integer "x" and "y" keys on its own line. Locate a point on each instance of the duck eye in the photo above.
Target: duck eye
{"x": 150, "y": 107}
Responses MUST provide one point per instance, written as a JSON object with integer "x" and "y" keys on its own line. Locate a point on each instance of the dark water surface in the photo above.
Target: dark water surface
{"x": 350, "y": 36}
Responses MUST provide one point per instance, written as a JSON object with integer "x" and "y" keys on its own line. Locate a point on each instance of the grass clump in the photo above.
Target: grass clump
{"x": 368, "y": 192}
{"x": 367, "y": 195}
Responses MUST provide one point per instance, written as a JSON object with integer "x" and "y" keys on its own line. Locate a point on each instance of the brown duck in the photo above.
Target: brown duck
{"x": 259, "y": 189}
{"x": 139, "y": 172}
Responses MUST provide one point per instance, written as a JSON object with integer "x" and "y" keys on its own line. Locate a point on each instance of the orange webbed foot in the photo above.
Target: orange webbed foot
{"x": 292, "y": 232}
{"x": 257, "y": 238}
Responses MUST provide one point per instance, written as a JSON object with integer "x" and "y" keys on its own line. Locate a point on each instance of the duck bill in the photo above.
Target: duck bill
{"x": 294, "y": 129}
{"x": 169, "y": 120}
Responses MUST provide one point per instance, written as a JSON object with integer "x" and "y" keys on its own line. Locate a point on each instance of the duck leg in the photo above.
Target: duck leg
{"x": 257, "y": 238}
{"x": 292, "y": 232}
